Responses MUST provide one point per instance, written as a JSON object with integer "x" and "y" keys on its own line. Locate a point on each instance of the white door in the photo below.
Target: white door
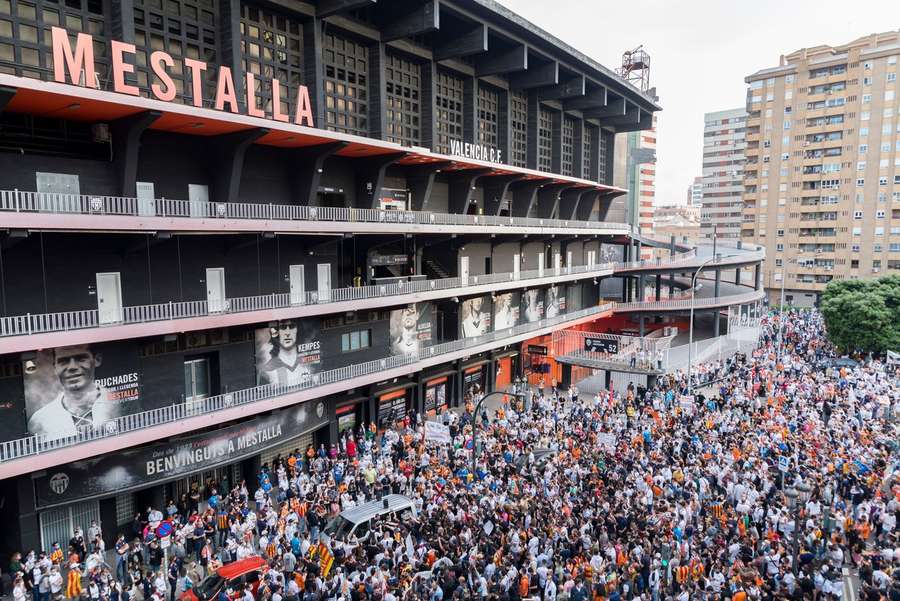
{"x": 145, "y": 198}
{"x": 198, "y": 196}
{"x": 540, "y": 262}
{"x": 568, "y": 261}
{"x": 592, "y": 257}
{"x": 557, "y": 263}
{"x": 59, "y": 192}
{"x": 298, "y": 284}
{"x": 323, "y": 281}
{"x": 215, "y": 289}
{"x": 516, "y": 267}
{"x": 109, "y": 297}
{"x": 464, "y": 271}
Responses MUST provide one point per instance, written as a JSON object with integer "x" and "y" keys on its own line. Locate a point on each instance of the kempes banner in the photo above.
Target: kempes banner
{"x": 288, "y": 352}
{"x": 601, "y": 345}
{"x": 410, "y": 328}
{"x": 73, "y": 388}
{"x": 146, "y": 466}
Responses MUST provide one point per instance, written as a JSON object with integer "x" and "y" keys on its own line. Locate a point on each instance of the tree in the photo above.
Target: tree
{"x": 863, "y": 315}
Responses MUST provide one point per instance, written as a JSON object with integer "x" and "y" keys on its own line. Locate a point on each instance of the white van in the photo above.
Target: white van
{"x": 356, "y": 520}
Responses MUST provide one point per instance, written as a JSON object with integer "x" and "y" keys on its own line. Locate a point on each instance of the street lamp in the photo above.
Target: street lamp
{"x": 706, "y": 262}
{"x": 781, "y": 313}
{"x": 797, "y": 497}
{"x": 475, "y": 423}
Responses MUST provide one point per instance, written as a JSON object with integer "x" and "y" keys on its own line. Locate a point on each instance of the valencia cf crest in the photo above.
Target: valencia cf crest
{"x": 59, "y": 483}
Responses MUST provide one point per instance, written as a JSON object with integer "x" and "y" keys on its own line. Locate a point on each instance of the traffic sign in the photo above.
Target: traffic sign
{"x": 783, "y": 463}
{"x": 164, "y": 529}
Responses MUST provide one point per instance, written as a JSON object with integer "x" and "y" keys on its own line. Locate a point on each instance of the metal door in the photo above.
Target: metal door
{"x": 109, "y": 297}
{"x": 198, "y": 197}
{"x": 557, "y": 263}
{"x": 298, "y": 284}
{"x": 323, "y": 273}
{"x": 540, "y": 262}
{"x": 58, "y": 525}
{"x": 145, "y": 198}
{"x": 59, "y": 192}
{"x": 215, "y": 289}
{"x": 516, "y": 267}
{"x": 591, "y": 257}
{"x": 464, "y": 271}
{"x": 568, "y": 261}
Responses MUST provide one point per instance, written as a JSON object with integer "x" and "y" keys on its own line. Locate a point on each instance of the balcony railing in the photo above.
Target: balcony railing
{"x": 685, "y": 303}
{"x": 20, "y": 201}
{"x": 33, "y": 445}
{"x": 40, "y": 323}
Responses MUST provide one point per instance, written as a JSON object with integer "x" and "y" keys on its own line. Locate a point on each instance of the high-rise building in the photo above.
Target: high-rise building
{"x": 694, "y": 196}
{"x": 822, "y": 180}
{"x": 635, "y": 170}
{"x": 723, "y": 164}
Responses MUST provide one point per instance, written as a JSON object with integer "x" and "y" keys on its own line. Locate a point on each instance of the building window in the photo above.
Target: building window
{"x": 271, "y": 46}
{"x": 518, "y": 119}
{"x": 25, "y": 39}
{"x": 403, "y": 87}
{"x": 196, "y": 379}
{"x": 354, "y": 341}
{"x": 488, "y": 116}
{"x": 568, "y": 146}
{"x": 586, "y": 151}
{"x": 449, "y": 119}
{"x": 346, "y": 85}
{"x": 184, "y": 29}
{"x": 601, "y": 154}
{"x": 545, "y": 140}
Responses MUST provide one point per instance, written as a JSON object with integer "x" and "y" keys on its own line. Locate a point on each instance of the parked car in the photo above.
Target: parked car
{"x": 232, "y": 575}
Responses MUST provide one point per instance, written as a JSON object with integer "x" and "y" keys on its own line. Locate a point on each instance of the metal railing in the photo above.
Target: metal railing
{"x": 685, "y": 303}
{"x": 40, "y": 323}
{"x": 21, "y": 201}
{"x": 36, "y": 444}
{"x": 569, "y": 347}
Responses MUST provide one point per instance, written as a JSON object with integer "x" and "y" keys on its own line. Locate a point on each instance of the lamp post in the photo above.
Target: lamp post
{"x": 796, "y": 498}
{"x": 705, "y": 262}
{"x": 475, "y": 423}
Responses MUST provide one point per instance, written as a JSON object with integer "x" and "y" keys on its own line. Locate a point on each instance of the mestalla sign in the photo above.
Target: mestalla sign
{"x": 76, "y": 65}
{"x": 146, "y": 466}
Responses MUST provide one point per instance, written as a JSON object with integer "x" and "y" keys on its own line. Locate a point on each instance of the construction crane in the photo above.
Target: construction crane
{"x": 635, "y": 68}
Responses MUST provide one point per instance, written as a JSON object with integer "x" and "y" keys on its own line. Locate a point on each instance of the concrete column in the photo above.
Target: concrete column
{"x": 658, "y": 286}
{"x": 718, "y": 318}
{"x": 718, "y": 281}
{"x": 640, "y": 291}
{"x": 737, "y": 276}
{"x": 757, "y": 280}
{"x": 642, "y": 320}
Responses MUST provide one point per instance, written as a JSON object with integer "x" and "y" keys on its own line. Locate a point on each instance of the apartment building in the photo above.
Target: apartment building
{"x": 822, "y": 179}
{"x": 723, "y": 171}
{"x": 694, "y": 195}
{"x": 635, "y": 170}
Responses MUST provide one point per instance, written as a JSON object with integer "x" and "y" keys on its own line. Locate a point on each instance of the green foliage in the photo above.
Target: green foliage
{"x": 863, "y": 315}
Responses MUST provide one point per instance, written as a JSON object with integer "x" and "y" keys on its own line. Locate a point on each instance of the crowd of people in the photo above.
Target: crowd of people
{"x": 770, "y": 483}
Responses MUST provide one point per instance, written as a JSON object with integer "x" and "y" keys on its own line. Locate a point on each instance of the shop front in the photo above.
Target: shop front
{"x": 474, "y": 379}
{"x": 506, "y": 368}
{"x": 112, "y": 488}
{"x": 394, "y": 404}
{"x": 538, "y": 362}
{"x": 349, "y": 414}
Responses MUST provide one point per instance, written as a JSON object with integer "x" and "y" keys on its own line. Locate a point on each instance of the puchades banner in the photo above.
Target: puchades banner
{"x": 506, "y": 311}
{"x": 75, "y": 388}
{"x": 475, "y": 317}
{"x": 146, "y": 466}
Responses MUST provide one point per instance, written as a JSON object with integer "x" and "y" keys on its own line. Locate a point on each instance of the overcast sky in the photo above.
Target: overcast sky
{"x": 700, "y": 52}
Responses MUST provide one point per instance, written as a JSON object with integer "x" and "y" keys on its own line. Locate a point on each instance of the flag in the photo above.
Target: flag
{"x": 326, "y": 560}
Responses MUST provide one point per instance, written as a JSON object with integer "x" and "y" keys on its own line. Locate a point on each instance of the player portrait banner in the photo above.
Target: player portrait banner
{"x": 506, "y": 311}
{"x": 135, "y": 468}
{"x": 532, "y": 306}
{"x": 69, "y": 389}
{"x": 555, "y": 301}
{"x": 475, "y": 317}
{"x": 411, "y": 328}
{"x": 288, "y": 352}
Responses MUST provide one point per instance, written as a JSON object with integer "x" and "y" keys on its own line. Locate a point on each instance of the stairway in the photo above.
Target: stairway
{"x": 434, "y": 270}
